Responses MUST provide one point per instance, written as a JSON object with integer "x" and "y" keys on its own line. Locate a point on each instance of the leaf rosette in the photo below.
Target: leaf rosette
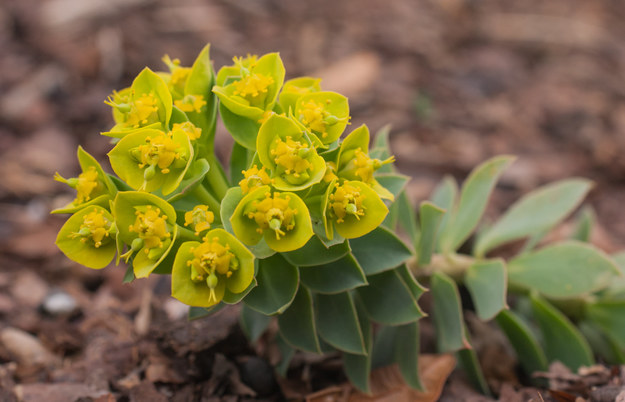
{"x": 285, "y": 149}
{"x": 325, "y": 114}
{"x": 249, "y": 88}
{"x": 146, "y": 103}
{"x": 281, "y": 218}
{"x": 88, "y": 237}
{"x": 203, "y": 271}
{"x": 147, "y": 224}
{"x": 93, "y": 186}
{"x": 151, "y": 159}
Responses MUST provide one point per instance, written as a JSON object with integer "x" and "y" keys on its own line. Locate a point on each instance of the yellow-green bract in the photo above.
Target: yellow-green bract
{"x": 281, "y": 218}
{"x": 88, "y": 237}
{"x": 147, "y": 225}
{"x": 203, "y": 271}
{"x": 324, "y": 114}
{"x": 284, "y": 148}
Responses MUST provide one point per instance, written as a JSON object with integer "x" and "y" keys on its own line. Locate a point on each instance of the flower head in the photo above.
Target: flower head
{"x": 281, "y": 218}
{"x": 204, "y": 271}
{"x": 88, "y": 237}
{"x": 353, "y": 208}
{"x": 324, "y": 114}
{"x": 189, "y": 128}
{"x": 200, "y": 218}
{"x": 151, "y": 159}
{"x": 284, "y": 148}
{"x": 254, "y": 177}
{"x": 294, "y": 88}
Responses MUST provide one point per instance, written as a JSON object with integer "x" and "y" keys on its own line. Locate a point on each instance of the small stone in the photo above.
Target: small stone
{"x": 29, "y": 289}
{"x": 59, "y": 303}
{"x": 26, "y": 349}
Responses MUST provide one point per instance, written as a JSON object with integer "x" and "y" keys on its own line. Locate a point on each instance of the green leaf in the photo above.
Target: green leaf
{"x": 358, "y": 367}
{"x": 383, "y": 346}
{"x": 195, "y": 313}
{"x": 447, "y": 312}
{"x": 253, "y": 323}
{"x": 277, "y": 284}
{"x": 562, "y": 340}
{"x": 243, "y": 130}
{"x": 394, "y": 183}
{"x": 566, "y": 270}
{"x": 379, "y": 250}
{"x": 585, "y": 222}
{"x": 444, "y": 197}
{"x": 610, "y": 317}
{"x": 334, "y": 277}
{"x": 408, "y": 219}
{"x": 471, "y": 366}
{"x": 487, "y": 282}
{"x": 129, "y": 276}
{"x": 415, "y": 287}
{"x": 337, "y": 322}
{"x": 528, "y": 350}
{"x": 602, "y": 345}
{"x": 389, "y": 300}
{"x": 537, "y": 212}
{"x": 297, "y": 323}
{"x": 475, "y": 193}
{"x": 429, "y": 216}
{"x": 406, "y": 353}
{"x": 316, "y": 253}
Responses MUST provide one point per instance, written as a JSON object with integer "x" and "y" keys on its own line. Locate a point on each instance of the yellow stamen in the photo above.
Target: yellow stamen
{"x": 212, "y": 260}
{"x": 190, "y": 103}
{"x": 365, "y": 166}
{"x": 152, "y": 227}
{"x": 290, "y": 156}
{"x": 95, "y": 228}
{"x": 161, "y": 151}
{"x": 346, "y": 200}
{"x": 200, "y": 218}
{"x": 189, "y": 128}
{"x": 273, "y": 213}
{"x": 254, "y": 178}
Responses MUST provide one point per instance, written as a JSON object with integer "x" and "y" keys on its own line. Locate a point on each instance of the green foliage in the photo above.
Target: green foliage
{"x": 304, "y": 229}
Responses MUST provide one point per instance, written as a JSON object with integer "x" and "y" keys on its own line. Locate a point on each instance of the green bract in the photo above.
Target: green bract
{"x": 353, "y": 208}
{"x": 250, "y": 87}
{"x": 147, "y": 103}
{"x": 281, "y": 218}
{"x": 294, "y": 88}
{"x": 93, "y": 186}
{"x": 147, "y": 225}
{"x": 354, "y": 162}
{"x": 151, "y": 159}
{"x": 324, "y": 114}
{"x": 202, "y": 271}
{"x": 284, "y": 148}
{"x": 88, "y": 237}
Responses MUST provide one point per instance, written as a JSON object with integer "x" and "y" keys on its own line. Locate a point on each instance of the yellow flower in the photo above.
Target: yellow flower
{"x": 95, "y": 229}
{"x": 161, "y": 151}
{"x": 290, "y": 157}
{"x": 189, "y": 128}
{"x": 200, "y": 218}
{"x": 191, "y": 103}
{"x": 87, "y": 184}
{"x": 253, "y": 177}
{"x": 151, "y": 227}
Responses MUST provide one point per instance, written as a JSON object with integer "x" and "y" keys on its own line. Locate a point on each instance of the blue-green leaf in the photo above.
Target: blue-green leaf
{"x": 253, "y": 323}
{"x": 535, "y": 213}
{"x": 475, "y": 193}
{"x": 277, "y": 284}
{"x": 297, "y": 323}
{"x": 447, "y": 312}
{"x": 528, "y": 350}
{"x": 429, "y": 216}
{"x": 334, "y": 277}
{"x": 379, "y": 250}
{"x": 337, "y": 322}
{"x": 358, "y": 367}
{"x": 487, "y": 282}
{"x": 316, "y": 253}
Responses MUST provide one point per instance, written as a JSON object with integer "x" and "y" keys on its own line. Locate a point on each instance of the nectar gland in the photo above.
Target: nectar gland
{"x": 273, "y": 213}
{"x": 212, "y": 261}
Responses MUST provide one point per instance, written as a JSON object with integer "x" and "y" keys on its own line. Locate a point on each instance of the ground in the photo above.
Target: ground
{"x": 459, "y": 81}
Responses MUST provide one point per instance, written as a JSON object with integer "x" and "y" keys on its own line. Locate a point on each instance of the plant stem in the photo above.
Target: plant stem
{"x": 207, "y": 198}
{"x": 215, "y": 177}
{"x": 454, "y": 265}
{"x": 186, "y": 234}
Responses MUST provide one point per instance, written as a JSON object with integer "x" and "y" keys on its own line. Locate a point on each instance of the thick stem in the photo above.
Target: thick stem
{"x": 454, "y": 265}
{"x": 216, "y": 178}
{"x": 186, "y": 234}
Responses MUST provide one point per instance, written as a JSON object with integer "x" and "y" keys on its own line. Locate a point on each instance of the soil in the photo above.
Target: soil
{"x": 458, "y": 80}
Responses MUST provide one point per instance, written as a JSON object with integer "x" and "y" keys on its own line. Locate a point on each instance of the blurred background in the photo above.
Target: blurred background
{"x": 457, "y": 80}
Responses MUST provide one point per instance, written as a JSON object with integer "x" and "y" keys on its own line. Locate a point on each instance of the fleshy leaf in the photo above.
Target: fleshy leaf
{"x": 297, "y": 323}
{"x": 610, "y": 317}
{"x": 253, "y": 323}
{"x": 473, "y": 199}
{"x": 448, "y": 317}
{"x": 487, "y": 282}
{"x": 358, "y": 367}
{"x": 316, "y": 253}
{"x": 334, "y": 277}
{"x": 379, "y": 251}
{"x": 528, "y": 350}
{"x": 563, "y": 341}
{"x": 535, "y": 213}
{"x": 566, "y": 270}
{"x": 429, "y": 218}
{"x": 277, "y": 284}
{"x": 337, "y": 322}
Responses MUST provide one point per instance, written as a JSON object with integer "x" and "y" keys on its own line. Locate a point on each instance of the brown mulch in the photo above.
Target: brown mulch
{"x": 458, "y": 80}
